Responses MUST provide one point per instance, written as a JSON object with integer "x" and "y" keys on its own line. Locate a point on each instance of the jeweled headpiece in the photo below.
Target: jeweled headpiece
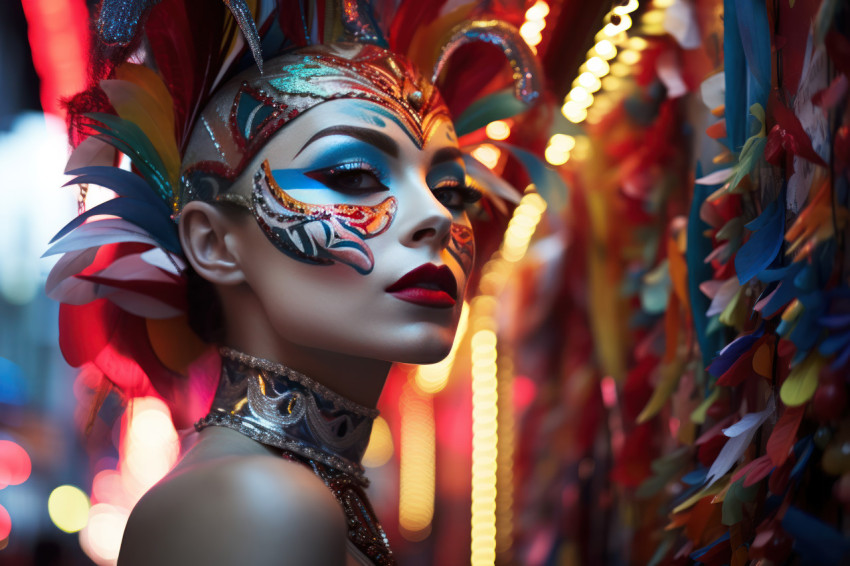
{"x": 246, "y": 112}
{"x": 190, "y": 91}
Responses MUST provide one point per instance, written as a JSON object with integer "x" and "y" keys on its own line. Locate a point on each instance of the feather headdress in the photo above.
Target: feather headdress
{"x": 158, "y": 69}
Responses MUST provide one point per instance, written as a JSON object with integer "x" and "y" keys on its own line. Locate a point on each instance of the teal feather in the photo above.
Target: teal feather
{"x": 549, "y": 184}
{"x": 497, "y": 106}
{"x": 129, "y": 139}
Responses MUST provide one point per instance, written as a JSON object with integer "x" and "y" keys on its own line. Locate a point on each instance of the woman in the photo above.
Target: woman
{"x": 323, "y": 201}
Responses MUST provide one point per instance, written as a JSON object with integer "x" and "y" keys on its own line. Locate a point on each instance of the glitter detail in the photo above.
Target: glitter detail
{"x": 311, "y": 425}
{"x": 505, "y": 37}
{"x": 280, "y": 407}
{"x": 119, "y": 19}
{"x": 212, "y": 137}
{"x": 358, "y": 23}
{"x": 462, "y": 246}
{"x": 336, "y": 399}
{"x": 293, "y": 84}
{"x": 243, "y": 16}
{"x": 366, "y": 536}
{"x": 315, "y": 233}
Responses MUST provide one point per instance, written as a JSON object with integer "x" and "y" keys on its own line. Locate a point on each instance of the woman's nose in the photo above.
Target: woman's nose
{"x": 427, "y": 222}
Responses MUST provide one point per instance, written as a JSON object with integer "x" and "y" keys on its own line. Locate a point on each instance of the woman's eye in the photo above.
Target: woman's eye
{"x": 350, "y": 179}
{"x": 455, "y": 195}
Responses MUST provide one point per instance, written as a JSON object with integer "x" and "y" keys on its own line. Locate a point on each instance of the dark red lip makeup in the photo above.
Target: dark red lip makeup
{"x": 428, "y": 286}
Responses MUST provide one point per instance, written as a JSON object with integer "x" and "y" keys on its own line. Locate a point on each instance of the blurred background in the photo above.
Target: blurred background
{"x": 680, "y": 268}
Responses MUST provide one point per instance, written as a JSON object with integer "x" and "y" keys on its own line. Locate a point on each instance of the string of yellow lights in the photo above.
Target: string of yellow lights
{"x": 418, "y": 463}
{"x": 490, "y": 512}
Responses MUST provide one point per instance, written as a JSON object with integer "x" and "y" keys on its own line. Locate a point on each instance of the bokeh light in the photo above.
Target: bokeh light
{"x": 605, "y": 49}
{"x": 563, "y": 141}
{"x": 556, "y": 155}
{"x": 152, "y": 445}
{"x": 5, "y": 523}
{"x": 487, "y": 154}
{"x": 581, "y": 96}
{"x": 101, "y": 538}
{"x": 613, "y": 29}
{"x": 380, "y": 448}
{"x": 589, "y": 81}
{"x": 521, "y": 228}
{"x": 538, "y": 11}
{"x": 15, "y": 464}
{"x": 629, "y": 56}
{"x": 68, "y": 508}
{"x": 535, "y": 21}
{"x": 573, "y": 111}
{"x": 628, "y": 8}
{"x": 598, "y": 66}
{"x": 498, "y": 130}
{"x": 484, "y": 445}
{"x": 417, "y": 476}
{"x": 433, "y": 378}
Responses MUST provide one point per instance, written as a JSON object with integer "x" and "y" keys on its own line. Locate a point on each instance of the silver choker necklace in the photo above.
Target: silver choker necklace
{"x": 279, "y": 407}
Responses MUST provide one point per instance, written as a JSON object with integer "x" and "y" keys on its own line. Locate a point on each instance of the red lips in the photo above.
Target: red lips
{"x": 427, "y": 286}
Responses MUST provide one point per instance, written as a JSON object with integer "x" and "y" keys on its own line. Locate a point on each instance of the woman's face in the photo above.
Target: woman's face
{"x": 361, "y": 245}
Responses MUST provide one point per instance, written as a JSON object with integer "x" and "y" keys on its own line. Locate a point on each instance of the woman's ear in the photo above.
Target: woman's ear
{"x": 208, "y": 240}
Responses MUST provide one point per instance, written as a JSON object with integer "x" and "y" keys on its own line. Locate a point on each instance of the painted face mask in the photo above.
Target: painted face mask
{"x": 246, "y": 112}
{"x": 316, "y": 233}
{"x": 242, "y": 117}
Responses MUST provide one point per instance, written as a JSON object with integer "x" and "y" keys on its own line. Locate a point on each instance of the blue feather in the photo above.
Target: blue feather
{"x": 142, "y": 214}
{"x": 129, "y": 139}
{"x": 816, "y": 542}
{"x": 754, "y": 32}
{"x": 549, "y": 184}
{"x": 761, "y": 249}
{"x": 122, "y": 182}
{"x": 735, "y": 72}
{"x": 699, "y": 246}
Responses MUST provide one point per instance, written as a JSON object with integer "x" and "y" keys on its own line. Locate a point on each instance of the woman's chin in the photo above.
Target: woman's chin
{"x": 429, "y": 350}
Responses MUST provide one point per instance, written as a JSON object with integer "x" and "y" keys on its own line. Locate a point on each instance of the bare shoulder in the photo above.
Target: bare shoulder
{"x": 255, "y": 509}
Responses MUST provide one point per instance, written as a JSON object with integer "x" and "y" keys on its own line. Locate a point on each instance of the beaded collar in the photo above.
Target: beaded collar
{"x": 280, "y": 407}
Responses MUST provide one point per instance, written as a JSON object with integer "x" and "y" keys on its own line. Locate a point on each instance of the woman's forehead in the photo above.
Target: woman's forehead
{"x": 360, "y": 120}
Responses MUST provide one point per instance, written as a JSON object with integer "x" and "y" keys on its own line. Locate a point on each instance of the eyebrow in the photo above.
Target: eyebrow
{"x": 378, "y": 139}
{"x": 446, "y": 154}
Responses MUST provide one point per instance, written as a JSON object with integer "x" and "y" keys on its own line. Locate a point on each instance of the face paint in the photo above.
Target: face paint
{"x": 462, "y": 246}
{"x": 315, "y": 233}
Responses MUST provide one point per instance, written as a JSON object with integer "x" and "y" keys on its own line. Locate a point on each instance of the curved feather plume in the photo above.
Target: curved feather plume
{"x": 245, "y": 19}
{"x": 505, "y": 37}
{"x": 119, "y": 21}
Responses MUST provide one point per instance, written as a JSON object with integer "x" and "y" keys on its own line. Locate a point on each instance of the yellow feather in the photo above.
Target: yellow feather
{"x": 427, "y": 40}
{"x": 143, "y": 99}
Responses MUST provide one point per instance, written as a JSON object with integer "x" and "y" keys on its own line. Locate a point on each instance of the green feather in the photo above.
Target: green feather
{"x": 496, "y": 106}
{"x": 129, "y": 139}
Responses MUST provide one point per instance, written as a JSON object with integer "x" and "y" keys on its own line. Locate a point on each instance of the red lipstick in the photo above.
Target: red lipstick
{"x": 427, "y": 286}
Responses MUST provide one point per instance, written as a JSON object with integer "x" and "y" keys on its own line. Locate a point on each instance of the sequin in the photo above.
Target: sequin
{"x": 119, "y": 19}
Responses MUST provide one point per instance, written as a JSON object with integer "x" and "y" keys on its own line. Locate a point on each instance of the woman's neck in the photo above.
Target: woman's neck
{"x": 250, "y": 330}
{"x": 358, "y": 379}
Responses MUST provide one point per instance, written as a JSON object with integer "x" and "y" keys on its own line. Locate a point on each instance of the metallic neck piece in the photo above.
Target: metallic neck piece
{"x": 280, "y": 407}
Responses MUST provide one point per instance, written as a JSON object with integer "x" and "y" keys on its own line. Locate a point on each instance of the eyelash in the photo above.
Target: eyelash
{"x": 332, "y": 176}
{"x": 469, "y": 194}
